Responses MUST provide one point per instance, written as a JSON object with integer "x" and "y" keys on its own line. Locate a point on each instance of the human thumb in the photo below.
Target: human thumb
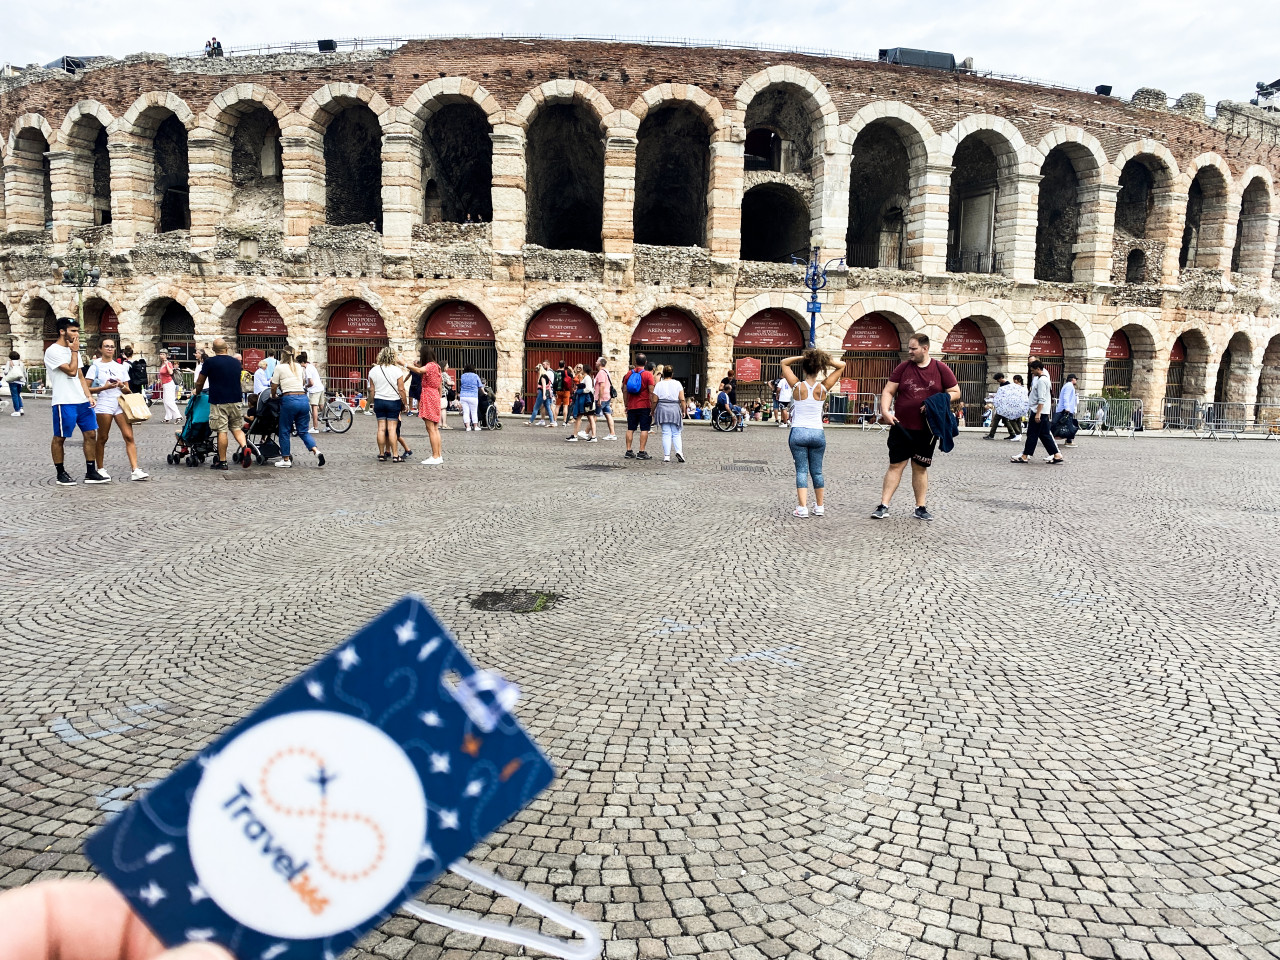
{"x": 196, "y": 951}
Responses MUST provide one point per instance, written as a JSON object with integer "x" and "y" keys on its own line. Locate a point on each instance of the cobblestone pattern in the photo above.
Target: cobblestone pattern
{"x": 1044, "y": 726}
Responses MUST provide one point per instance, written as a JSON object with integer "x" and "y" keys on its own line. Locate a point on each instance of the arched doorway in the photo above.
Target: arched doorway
{"x": 261, "y": 331}
{"x": 775, "y": 224}
{"x": 1047, "y": 345}
{"x": 354, "y": 336}
{"x": 559, "y": 332}
{"x": 461, "y": 335}
{"x": 669, "y": 336}
{"x": 965, "y": 352}
{"x": 565, "y": 178}
{"x": 764, "y": 341}
{"x": 108, "y": 326}
{"x": 178, "y": 335}
{"x": 872, "y": 348}
{"x": 1173, "y": 381}
{"x": 1117, "y": 371}
{"x": 43, "y": 315}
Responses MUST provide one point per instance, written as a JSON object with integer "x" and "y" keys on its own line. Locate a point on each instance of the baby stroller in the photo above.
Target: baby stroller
{"x": 194, "y": 443}
{"x": 487, "y": 410}
{"x": 260, "y": 429}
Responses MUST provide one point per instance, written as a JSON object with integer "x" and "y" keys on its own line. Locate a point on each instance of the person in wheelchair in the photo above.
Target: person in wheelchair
{"x": 722, "y": 404}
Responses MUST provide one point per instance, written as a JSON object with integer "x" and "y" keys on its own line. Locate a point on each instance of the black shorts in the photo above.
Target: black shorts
{"x": 640, "y": 420}
{"x": 914, "y": 445}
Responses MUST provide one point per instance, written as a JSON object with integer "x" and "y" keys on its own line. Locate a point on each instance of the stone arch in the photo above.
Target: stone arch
{"x": 1235, "y": 375}
{"x": 1003, "y": 336}
{"x": 1012, "y": 152}
{"x": 1082, "y": 344}
{"x": 525, "y": 312}
{"x": 565, "y": 127}
{"x": 823, "y": 114}
{"x": 687, "y": 94}
{"x": 324, "y": 104}
{"x": 673, "y": 174}
{"x": 905, "y": 318}
{"x": 336, "y": 291}
{"x": 150, "y": 173}
{"x": 351, "y": 121}
{"x": 82, "y": 167}
{"x": 1146, "y": 218}
{"x": 562, "y": 91}
{"x": 791, "y": 303}
{"x": 29, "y": 121}
{"x": 453, "y": 118}
{"x": 226, "y": 310}
{"x": 1084, "y": 149}
{"x": 36, "y": 305}
{"x": 80, "y": 112}
{"x": 28, "y": 179}
{"x": 776, "y": 223}
{"x": 147, "y": 112}
{"x": 159, "y": 292}
{"x": 1269, "y": 381}
{"x": 226, "y": 109}
{"x": 241, "y": 151}
{"x": 1253, "y": 254}
{"x": 1072, "y": 218}
{"x": 707, "y": 321}
{"x": 1208, "y": 230}
{"x": 476, "y": 295}
{"x": 1148, "y": 356}
{"x": 441, "y": 92}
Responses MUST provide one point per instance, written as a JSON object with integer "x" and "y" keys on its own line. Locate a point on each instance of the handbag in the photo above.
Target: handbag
{"x": 15, "y": 374}
{"x": 134, "y": 407}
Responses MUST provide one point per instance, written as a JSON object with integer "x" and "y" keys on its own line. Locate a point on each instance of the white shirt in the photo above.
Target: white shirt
{"x": 312, "y": 373}
{"x": 668, "y": 390}
{"x": 784, "y": 392}
{"x": 100, "y": 371}
{"x": 65, "y": 389}
{"x": 1067, "y": 398}
{"x": 261, "y": 380}
{"x": 383, "y": 380}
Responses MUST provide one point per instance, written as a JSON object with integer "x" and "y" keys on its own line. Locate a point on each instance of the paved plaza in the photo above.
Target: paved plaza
{"x": 1044, "y": 725}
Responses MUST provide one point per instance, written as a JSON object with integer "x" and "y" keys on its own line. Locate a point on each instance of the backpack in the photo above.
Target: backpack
{"x": 560, "y": 386}
{"x": 634, "y": 382}
{"x": 138, "y": 375}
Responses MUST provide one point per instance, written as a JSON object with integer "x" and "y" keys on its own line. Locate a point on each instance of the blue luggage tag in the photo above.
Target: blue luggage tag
{"x": 311, "y": 820}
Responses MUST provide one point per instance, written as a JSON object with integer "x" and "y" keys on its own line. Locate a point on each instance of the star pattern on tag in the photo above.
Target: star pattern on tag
{"x": 152, "y": 894}
{"x": 316, "y": 689}
{"x": 406, "y": 633}
{"x": 430, "y": 718}
{"x": 439, "y": 763}
{"x": 448, "y": 819}
{"x": 197, "y": 892}
{"x": 347, "y": 658}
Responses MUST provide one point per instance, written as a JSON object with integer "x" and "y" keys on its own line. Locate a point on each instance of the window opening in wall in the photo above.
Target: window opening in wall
{"x": 763, "y": 150}
{"x": 1117, "y": 370}
{"x": 1251, "y": 230}
{"x": 971, "y": 233}
{"x": 101, "y": 178}
{"x": 353, "y": 168}
{"x": 1203, "y": 231}
{"x": 172, "y": 189}
{"x": 178, "y": 335}
{"x": 673, "y": 169}
{"x": 1058, "y": 214}
{"x": 566, "y": 179}
{"x": 42, "y": 316}
{"x": 1222, "y": 383}
{"x": 1136, "y": 199}
{"x": 780, "y": 130}
{"x": 1269, "y": 383}
{"x": 775, "y": 224}
{"x": 457, "y": 165}
{"x": 1191, "y": 228}
{"x": 257, "y": 170}
{"x": 1135, "y": 269}
{"x": 879, "y": 187}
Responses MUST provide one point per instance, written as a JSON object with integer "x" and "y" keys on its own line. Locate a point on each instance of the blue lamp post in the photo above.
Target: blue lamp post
{"x": 815, "y": 278}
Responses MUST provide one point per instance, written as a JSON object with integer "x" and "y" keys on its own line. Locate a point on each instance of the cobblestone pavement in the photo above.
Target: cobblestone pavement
{"x": 1044, "y": 725}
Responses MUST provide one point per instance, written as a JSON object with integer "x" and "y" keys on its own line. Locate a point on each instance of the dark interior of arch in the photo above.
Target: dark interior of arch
{"x": 101, "y": 177}
{"x": 353, "y": 168}
{"x": 1253, "y": 206}
{"x": 775, "y": 224}
{"x": 566, "y": 179}
{"x": 255, "y": 148}
{"x": 783, "y": 111}
{"x": 457, "y": 157}
{"x": 33, "y": 143}
{"x": 1191, "y": 226}
{"x": 1136, "y": 198}
{"x": 171, "y": 173}
{"x": 878, "y": 185}
{"x": 673, "y": 170}
{"x": 762, "y": 150}
{"x": 1058, "y": 215}
{"x": 975, "y": 172}
{"x": 1135, "y": 270}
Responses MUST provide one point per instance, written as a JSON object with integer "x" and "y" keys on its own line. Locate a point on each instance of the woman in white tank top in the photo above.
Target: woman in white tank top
{"x": 807, "y": 440}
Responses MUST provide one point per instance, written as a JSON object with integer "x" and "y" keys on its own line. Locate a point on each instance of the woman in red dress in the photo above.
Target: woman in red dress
{"x": 429, "y": 401}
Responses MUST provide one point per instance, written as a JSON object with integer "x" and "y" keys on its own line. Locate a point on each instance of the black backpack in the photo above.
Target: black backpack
{"x": 559, "y": 384}
{"x": 137, "y": 375}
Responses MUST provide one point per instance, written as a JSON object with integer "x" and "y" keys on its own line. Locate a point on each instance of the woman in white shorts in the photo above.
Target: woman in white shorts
{"x": 108, "y": 377}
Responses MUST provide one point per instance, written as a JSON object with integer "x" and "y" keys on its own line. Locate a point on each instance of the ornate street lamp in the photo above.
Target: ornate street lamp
{"x": 81, "y": 271}
{"x": 815, "y": 278}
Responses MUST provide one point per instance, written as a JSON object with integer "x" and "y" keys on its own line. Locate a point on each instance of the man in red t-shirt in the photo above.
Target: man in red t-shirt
{"x": 912, "y": 382}
{"x": 638, "y": 415}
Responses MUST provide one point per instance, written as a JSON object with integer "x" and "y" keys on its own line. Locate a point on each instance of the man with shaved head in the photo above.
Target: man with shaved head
{"x": 226, "y": 407}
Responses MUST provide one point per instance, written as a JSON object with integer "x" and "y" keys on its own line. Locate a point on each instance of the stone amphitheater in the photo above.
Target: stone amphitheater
{"x": 512, "y": 201}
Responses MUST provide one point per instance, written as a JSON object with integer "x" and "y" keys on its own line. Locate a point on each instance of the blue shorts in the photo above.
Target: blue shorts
{"x": 68, "y": 416}
{"x": 387, "y": 409}
{"x": 606, "y": 407}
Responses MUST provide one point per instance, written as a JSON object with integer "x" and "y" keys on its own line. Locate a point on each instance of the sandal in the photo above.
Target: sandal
{"x": 383, "y": 457}
{"x": 406, "y": 455}
{"x": 397, "y": 459}
{"x": 1019, "y": 460}
{"x": 1055, "y": 460}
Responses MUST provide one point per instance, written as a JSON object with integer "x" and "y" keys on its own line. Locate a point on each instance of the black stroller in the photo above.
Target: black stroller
{"x": 487, "y": 409}
{"x": 194, "y": 442}
{"x": 261, "y": 428}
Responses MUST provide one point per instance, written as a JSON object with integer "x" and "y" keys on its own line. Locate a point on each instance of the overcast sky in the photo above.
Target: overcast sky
{"x": 1218, "y": 49}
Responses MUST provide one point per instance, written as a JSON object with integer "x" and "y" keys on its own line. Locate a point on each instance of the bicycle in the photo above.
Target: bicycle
{"x": 337, "y": 415}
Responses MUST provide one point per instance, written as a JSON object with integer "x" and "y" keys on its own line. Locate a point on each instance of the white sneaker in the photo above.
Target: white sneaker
{"x": 433, "y": 461}
{"x": 818, "y": 511}
{"x": 593, "y": 439}
{"x": 666, "y": 459}
{"x": 583, "y": 434}
{"x": 611, "y": 437}
{"x": 284, "y": 464}
{"x": 800, "y": 512}
{"x": 138, "y": 475}
{"x": 16, "y": 413}
{"x": 104, "y": 475}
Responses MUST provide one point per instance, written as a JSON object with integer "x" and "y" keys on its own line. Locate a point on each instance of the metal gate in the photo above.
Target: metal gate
{"x": 1055, "y": 367}
{"x": 971, "y": 374}
{"x": 770, "y": 370}
{"x": 348, "y": 356}
{"x": 178, "y": 336}
{"x": 688, "y": 363}
{"x": 551, "y": 353}
{"x": 480, "y": 355}
{"x": 263, "y": 343}
{"x": 871, "y": 368}
{"x": 1118, "y": 375}
{"x": 1173, "y": 382}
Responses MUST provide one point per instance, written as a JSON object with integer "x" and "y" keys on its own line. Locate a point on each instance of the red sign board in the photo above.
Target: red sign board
{"x": 250, "y": 357}
{"x": 1047, "y": 343}
{"x": 966, "y": 338}
{"x": 848, "y": 387}
{"x": 452, "y": 374}
{"x": 261, "y": 319}
{"x": 747, "y": 369}
{"x": 1118, "y": 348}
{"x": 769, "y": 328}
{"x": 108, "y": 322}
{"x": 1179, "y": 352}
{"x": 563, "y": 322}
{"x": 357, "y": 320}
{"x": 874, "y": 332}
{"x": 457, "y": 320}
{"x": 667, "y": 326}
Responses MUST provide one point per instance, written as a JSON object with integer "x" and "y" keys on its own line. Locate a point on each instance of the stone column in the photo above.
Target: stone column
{"x": 508, "y": 190}
{"x": 510, "y": 349}
{"x": 1217, "y": 234}
{"x": 1150, "y": 371}
{"x": 302, "y": 156}
{"x": 1170, "y": 214}
{"x": 401, "y": 188}
{"x": 1091, "y": 374}
{"x": 724, "y": 200}
{"x": 1095, "y": 232}
{"x": 1015, "y": 229}
{"x": 71, "y": 173}
{"x": 829, "y": 215}
{"x": 927, "y": 219}
{"x": 24, "y": 188}
{"x": 133, "y": 200}
{"x": 618, "y": 235}
{"x": 209, "y": 159}
{"x": 1258, "y": 247}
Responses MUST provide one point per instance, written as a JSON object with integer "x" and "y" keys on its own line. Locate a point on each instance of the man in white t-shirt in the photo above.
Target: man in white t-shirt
{"x": 782, "y": 406}
{"x": 72, "y": 403}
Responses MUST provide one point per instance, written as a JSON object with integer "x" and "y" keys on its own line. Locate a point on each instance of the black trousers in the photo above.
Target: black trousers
{"x": 1039, "y": 429}
{"x": 1013, "y": 426}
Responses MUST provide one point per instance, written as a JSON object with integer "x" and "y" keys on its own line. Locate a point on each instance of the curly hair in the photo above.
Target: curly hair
{"x": 814, "y": 361}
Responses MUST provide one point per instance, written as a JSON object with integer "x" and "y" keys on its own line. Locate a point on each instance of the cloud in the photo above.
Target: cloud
{"x": 1218, "y": 50}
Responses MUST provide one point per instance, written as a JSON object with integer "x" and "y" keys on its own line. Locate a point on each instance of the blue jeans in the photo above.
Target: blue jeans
{"x": 541, "y": 401}
{"x": 295, "y": 414}
{"x": 15, "y": 394}
{"x": 807, "y": 444}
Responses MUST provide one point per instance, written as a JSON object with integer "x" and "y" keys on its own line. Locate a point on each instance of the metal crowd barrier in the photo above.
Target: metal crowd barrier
{"x": 1267, "y": 421}
{"x": 1181, "y": 414}
{"x": 1229, "y": 419}
{"x": 1108, "y": 416}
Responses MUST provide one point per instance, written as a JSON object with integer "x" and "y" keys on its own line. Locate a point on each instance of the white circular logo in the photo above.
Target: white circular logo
{"x": 307, "y": 824}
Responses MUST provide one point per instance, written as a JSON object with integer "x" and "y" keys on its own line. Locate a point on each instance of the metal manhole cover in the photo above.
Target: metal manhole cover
{"x": 596, "y": 466}
{"x": 742, "y": 468}
{"x": 515, "y": 601}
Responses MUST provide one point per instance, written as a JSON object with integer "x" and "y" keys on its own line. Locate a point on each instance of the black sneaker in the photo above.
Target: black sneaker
{"x": 679, "y": 458}
{"x": 880, "y": 512}
{"x": 643, "y": 456}
{"x": 319, "y": 459}
{"x": 219, "y": 465}
{"x": 65, "y": 479}
{"x": 922, "y": 514}
{"x": 629, "y": 455}
{"x": 93, "y": 476}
